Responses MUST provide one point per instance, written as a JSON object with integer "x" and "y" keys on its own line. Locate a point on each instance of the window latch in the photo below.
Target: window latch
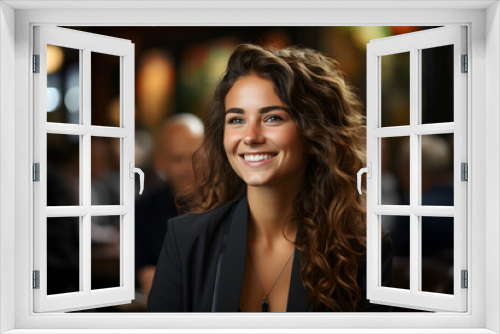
{"x": 133, "y": 170}
{"x": 368, "y": 171}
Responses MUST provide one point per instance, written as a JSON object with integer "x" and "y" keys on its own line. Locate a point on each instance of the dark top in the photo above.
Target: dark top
{"x": 151, "y": 215}
{"x": 189, "y": 264}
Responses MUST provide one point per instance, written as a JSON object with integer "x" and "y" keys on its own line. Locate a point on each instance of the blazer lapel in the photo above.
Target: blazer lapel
{"x": 297, "y": 295}
{"x": 233, "y": 263}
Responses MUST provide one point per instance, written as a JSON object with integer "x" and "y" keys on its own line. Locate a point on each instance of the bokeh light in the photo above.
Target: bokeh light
{"x": 71, "y": 99}
{"x": 53, "y": 98}
{"x": 55, "y": 58}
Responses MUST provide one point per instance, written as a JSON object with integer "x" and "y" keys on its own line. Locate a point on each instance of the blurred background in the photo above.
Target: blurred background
{"x": 176, "y": 71}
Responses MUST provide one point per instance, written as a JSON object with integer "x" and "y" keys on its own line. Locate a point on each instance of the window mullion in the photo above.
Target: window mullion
{"x": 81, "y": 248}
{"x": 85, "y": 167}
{"x": 415, "y": 261}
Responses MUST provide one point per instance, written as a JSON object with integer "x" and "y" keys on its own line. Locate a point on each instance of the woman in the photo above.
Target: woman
{"x": 279, "y": 226}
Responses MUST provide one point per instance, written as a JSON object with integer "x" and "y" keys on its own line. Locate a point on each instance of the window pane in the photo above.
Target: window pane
{"x": 63, "y": 255}
{"x": 63, "y": 170}
{"x": 105, "y": 234}
{"x": 395, "y": 95}
{"x": 105, "y": 170}
{"x": 63, "y": 85}
{"x": 105, "y": 89}
{"x": 395, "y": 170}
{"x": 437, "y": 170}
{"x": 437, "y": 254}
{"x": 398, "y": 228}
{"x": 437, "y": 84}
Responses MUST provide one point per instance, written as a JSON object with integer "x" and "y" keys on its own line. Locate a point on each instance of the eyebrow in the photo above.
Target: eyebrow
{"x": 262, "y": 110}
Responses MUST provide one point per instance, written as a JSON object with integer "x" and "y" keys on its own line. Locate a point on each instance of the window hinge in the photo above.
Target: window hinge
{"x": 36, "y": 279}
{"x": 36, "y": 172}
{"x": 465, "y": 279}
{"x": 36, "y": 63}
{"x": 464, "y": 172}
{"x": 465, "y": 64}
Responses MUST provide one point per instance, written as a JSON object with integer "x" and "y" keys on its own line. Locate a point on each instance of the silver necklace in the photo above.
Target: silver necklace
{"x": 265, "y": 301}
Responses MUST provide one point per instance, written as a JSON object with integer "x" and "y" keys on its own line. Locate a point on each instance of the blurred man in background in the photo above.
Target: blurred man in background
{"x": 177, "y": 139}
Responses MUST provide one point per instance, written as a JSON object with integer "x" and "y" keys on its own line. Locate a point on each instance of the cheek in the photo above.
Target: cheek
{"x": 230, "y": 142}
{"x": 289, "y": 139}
{"x": 230, "y": 145}
{"x": 226, "y": 143}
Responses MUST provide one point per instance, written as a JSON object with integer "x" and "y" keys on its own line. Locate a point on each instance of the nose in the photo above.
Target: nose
{"x": 254, "y": 135}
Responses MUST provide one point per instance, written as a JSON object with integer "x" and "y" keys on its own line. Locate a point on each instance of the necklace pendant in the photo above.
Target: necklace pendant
{"x": 265, "y": 305}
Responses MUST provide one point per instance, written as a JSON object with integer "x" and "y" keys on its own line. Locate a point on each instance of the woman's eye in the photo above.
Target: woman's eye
{"x": 273, "y": 118}
{"x": 235, "y": 120}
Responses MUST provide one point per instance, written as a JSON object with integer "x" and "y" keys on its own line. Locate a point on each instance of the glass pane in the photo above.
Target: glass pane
{"x": 395, "y": 170}
{"x": 105, "y": 89}
{"x": 437, "y": 254}
{"x": 105, "y": 258}
{"x": 63, "y": 85}
{"x": 437, "y": 84}
{"x": 395, "y": 95}
{"x": 105, "y": 170}
{"x": 63, "y": 170}
{"x": 63, "y": 255}
{"x": 398, "y": 228}
{"x": 437, "y": 170}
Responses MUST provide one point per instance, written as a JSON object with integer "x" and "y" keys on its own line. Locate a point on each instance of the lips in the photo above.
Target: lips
{"x": 257, "y": 158}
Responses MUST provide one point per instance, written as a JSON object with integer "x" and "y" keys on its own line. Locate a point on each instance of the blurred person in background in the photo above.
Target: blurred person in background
{"x": 436, "y": 232}
{"x": 177, "y": 139}
{"x": 437, "y": 190}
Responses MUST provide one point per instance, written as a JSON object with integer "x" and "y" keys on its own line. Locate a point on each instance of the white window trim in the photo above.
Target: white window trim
{"x": 16, "y": 21}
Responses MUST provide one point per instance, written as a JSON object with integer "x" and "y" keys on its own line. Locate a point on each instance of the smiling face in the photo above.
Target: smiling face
{"x": 261, "y": 138}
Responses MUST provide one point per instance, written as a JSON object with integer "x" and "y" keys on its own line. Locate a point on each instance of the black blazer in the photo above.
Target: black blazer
{"x": 191, "y": 258}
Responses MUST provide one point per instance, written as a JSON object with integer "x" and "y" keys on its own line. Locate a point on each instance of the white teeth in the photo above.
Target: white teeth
{"x": 258, "y": 157}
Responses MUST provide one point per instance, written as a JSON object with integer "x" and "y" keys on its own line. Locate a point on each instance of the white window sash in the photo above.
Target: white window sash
{"x": 414, "y": 297}
{"x": 86, "y": 297}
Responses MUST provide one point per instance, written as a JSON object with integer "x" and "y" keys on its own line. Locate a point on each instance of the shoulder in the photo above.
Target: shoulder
{"x": 195, "y": 227}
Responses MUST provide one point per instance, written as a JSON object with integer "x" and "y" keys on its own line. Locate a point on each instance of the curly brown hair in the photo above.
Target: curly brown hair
{"x": 330, "y": 213}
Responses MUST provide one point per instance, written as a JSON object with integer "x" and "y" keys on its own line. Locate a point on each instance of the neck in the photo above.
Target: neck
{"x": 268, "y": 209}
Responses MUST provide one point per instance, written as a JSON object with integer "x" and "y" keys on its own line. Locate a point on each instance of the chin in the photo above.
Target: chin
{"x": 256, "y": 182}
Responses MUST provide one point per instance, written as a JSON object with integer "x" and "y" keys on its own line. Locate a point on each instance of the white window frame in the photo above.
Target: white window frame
{"x": 85, "y": 43}
{"x": 16, "y": 21}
